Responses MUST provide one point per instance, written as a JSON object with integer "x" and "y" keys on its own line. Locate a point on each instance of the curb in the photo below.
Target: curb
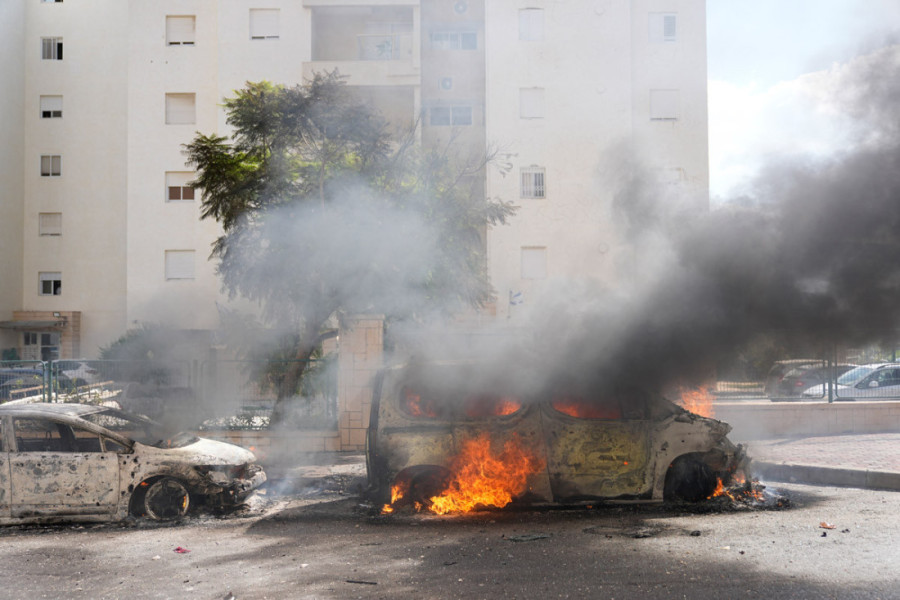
{"x": 799, "y": 473}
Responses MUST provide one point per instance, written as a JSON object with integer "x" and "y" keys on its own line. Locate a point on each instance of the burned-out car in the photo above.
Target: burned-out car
{"x": 73, "y": 462}
{"x": 571, "y": 445}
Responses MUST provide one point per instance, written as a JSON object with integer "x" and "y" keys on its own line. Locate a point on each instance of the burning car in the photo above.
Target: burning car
{"x": 445, "y": 439}
{"x": 73, "y": 462}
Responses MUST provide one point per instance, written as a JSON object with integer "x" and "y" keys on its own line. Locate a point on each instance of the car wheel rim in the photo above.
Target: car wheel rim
{"x": 166, "y": 498}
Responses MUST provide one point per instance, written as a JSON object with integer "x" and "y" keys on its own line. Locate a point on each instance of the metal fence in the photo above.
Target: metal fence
{"x": 818, "y": 379}
{"x": 211, "y": 393}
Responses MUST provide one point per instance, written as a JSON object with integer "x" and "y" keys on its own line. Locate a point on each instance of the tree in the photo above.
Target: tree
{"x": 322, "y": 212}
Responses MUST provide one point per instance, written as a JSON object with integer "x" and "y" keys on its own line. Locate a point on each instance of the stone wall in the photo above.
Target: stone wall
{"x": 361, "y": 354}
{"x": 754, "y": 420}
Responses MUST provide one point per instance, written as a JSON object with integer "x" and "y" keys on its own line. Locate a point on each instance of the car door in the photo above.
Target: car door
{"x": 58, "y": 469}
{"x": 596, "y": 447}
{"x": 4, "y": 471}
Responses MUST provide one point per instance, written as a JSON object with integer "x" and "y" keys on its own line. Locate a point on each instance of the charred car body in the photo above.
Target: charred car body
{"x": 629, "y": 446}
{"x": 73, "y": 462}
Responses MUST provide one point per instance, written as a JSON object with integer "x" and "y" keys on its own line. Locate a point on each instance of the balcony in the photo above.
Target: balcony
{"x": 372, "y": 45}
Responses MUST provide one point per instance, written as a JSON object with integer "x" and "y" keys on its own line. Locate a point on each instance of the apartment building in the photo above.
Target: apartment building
{"x": 100, "y": 232}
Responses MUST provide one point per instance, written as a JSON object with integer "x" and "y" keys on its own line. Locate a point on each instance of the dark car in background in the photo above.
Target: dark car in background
{"x": 792, "y": 379}
{"x": 19, "y": 383}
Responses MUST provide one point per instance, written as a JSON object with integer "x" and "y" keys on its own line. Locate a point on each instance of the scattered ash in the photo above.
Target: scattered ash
{"x": 744, "y": 496}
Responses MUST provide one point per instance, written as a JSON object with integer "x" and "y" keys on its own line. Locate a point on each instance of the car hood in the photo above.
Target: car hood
{"x": 203, "y": 451}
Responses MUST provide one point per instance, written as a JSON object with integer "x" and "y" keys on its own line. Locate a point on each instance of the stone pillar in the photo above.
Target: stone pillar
{"x": 360, "y": 357}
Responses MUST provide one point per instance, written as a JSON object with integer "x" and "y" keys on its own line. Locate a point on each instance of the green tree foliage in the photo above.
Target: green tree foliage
{"x": 323, "y": 211}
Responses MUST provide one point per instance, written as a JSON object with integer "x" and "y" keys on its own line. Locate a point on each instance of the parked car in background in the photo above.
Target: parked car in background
{"x": 79, "y": 371}
{"x": 18, "y": 383}
{"x": 877, "y": 381}
{"x": 77, "y": 462}
{"x": 806, "y": 377}
{"x": 781, "y": 368}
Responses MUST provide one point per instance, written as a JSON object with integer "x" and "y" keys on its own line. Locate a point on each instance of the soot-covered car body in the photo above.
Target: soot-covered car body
{"x": 72, "y": 462}
{"x": 629, "y": 447}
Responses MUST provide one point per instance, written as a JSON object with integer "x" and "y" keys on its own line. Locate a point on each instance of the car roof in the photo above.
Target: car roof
{"x": 46, "y": 409}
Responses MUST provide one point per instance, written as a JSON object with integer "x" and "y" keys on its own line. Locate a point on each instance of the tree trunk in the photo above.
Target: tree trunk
{"x": 309, "y": 339}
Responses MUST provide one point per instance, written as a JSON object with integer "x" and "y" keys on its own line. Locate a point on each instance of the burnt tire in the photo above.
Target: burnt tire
{"x": 166, "y": 499}
{"x": 689, "y": 479}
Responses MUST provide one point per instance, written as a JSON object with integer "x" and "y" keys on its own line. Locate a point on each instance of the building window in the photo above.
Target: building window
{"x": 50, "y": 224}
{"x": 264, "y": 23}
{"x": 49, "y": 284}
{"x": 532, "y": 179}
{"x": 663, "y": 27}
{"x": 51, "y": 107}
{"x": 444, "y": 116}
{"x": 531, "y": 103}
{"x": 177, "y": 188}
{"x": 663, "y": 105}
{"x": 51, "y": 165}
{"x": 51, "y": 1}
{"x": 534, "y": 262}
{"x": 454, "y": 40}
{"x": 51, "y": 48}
{"x": 179, "y": 264}
{"x": 180, "y": 109}
{"x": 531, "y": 24}
{"x": 40, "y": 346}
{"x": 180, "y": 30}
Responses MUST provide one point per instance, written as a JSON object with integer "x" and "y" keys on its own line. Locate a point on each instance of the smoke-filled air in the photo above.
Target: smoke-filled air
{"x": 813, "y": 251}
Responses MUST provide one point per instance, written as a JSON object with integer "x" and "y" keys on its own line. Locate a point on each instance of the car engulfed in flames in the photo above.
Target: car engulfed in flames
{"x": 439, "y": 442}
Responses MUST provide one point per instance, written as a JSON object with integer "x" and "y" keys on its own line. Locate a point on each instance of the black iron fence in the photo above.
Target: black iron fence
{"x": 817, "y": 379}
{"x": 209, "y": 394}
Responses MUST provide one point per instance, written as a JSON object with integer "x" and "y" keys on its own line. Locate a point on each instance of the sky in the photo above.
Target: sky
{"x": 770, "y": 63}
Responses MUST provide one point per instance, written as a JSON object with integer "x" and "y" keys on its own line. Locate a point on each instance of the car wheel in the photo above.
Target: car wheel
{"x": 166, "y": 499}
{"x": 689, "y": 479}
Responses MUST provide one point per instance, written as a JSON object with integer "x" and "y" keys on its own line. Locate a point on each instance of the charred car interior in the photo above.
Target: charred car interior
{"x": 74, "y": 462}
{"x": 445, "y": 439}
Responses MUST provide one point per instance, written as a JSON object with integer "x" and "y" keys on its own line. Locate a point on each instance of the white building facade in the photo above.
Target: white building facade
{"x": 100, "y": 232}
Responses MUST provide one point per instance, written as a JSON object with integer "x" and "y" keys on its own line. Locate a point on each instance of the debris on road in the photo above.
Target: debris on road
{"x": 528, "y": 537}
{"x": 826, "y": 525}
{"x": 180, "y": 550}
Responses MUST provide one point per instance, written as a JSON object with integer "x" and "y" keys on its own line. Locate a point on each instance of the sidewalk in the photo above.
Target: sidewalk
{"x": 865, "y": 461}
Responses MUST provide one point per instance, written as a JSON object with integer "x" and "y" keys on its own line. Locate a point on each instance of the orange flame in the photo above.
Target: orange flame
{"x": 698, "y": 401}
{"x": 483, "y": 406}
{"x": 739, "y": 489}
{"x": 587, "y": 408}
{"x": 480, "y": 477}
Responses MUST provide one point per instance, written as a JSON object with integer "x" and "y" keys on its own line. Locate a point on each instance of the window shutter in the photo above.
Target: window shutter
{"x": 664, "y": 105}
{"x": 177, "y": 187}
{"x": 180, "y": 30}
{"x": 531, "y": 24}
{"x": 263, "y": 23}
{"x": 669, "y": 32}
{"x": 531, "y": 103}
{"x": 532, "y": 182}
{"x": 179, "y": 264}
{"x": 51, "y": 106}
{"x": 50, "y": 224}
{"x": 180, "y": 109}
{"x": 534, "y": 263}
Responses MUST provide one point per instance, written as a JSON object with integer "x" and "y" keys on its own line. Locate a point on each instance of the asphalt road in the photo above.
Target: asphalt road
{"x": 326, "y": 546}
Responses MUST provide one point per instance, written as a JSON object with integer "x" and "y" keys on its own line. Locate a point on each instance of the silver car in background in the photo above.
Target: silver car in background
{"x": 877, "y": 381}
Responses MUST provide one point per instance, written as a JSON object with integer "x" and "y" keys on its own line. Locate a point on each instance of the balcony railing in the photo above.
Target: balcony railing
{"x": 389, "y": 46}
